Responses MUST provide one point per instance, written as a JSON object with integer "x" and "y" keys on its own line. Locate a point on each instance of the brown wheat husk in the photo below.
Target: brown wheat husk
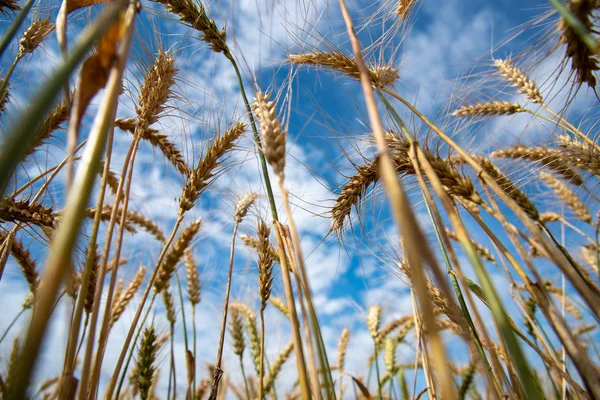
{"x": 488, "y": 109}
{"x": 581, "y": 154}
{"x": 519, "y": 79}
{"x": 8, "y": 5}
{"x": 568, "y": 197}
{"x": 273, "y": 136}
{"x": 23, "y": 257}
{"x": 121, "y": 302}
{"x": 35, "y": 35}
{"x": 26, "y": 212}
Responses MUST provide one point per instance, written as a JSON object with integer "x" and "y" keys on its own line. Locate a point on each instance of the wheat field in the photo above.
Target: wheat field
{"x": 299, "y": 199}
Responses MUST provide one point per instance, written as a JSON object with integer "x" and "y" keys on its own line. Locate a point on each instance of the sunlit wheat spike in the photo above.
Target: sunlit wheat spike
{"x": 342, "y": 349}
{"x": 105, "y": 215}
{"x": 145, "y": 366}
{"x": 194, "y": 14}
{"x": 388, "y": 328}
{"x": 509, "y": 187}
{"x": 237, "y": 333}
{"x": 482, "y": 251}
{"x": 242, "y": 206}
{"x": 581, "y": 154}
{"x": 373, "y": 320}
{"x": 167, "y": 267}
{"x": 488, "y": 109}
{"x": 590, "y": 255}
{"x": 265, "y": 264}
{"x": 8, "y": 5}
{"x": 568, "y": 197}
{"x": 202, "y": 175}
{"x": 123, "y": 301}
{"x": 34, "y": 35}
{"x": 156, "y": 89}
{"x": 273, "y": 135}
{"x": 519, "y": 80}
{"x": 583, "y": 59}
{"x": 253, "y": 335}
{"x": 193, "y": 280}
{"x": 389, "y": 353}
{"x": 552, "y": 159}
{"x": 281, "y": 306}
{"x": 26, "y": 212}
{"x": 404, "y": 7}
{"x": 24, "y": 260}
{"x": 276, "y": 366}
{"x": 253, "y": 243}
{"x": 158, "y": 140}
{"x": 549, "y": 217}
{"x": 146, "y": 223}
{"x": 381, "y": 75}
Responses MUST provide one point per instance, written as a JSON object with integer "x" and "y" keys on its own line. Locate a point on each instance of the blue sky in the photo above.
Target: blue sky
{"x": 448, "y": 40}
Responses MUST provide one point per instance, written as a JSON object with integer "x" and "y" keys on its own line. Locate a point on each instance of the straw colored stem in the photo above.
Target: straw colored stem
{"x": 64, "y": 240}
{"x": 215, "y": 386}
{"x": 113, "y": 380}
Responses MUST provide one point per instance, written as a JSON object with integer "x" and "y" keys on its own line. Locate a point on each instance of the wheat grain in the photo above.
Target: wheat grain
{"x": 26, "y": 212}
{"x": 242, "y": 206}
{"x": 380, "y": 76}
{"x": 404, "y": 7}
{"x": 167, "y": 267}
{"x": 281, "y": 306}
{"x": 237, "y": 333}
{"x": 34, "y": 35}
{"x": 550, "y": 158}
{"x": 196, "y": 17}
{"x": 156, "y": 89}
{"x": 373, "y": 320}
{"x": 253, "y": 335}
{"x": 488, "y": 109}
{"x": 193, "y": 281}
{"x": 201, "y": 176}
{"x": 158, "y": 140}
{"x": 568, "y": 197}
{"x": 119, "y": 304}
{"x": 265, "y": 264}
{"x": 273, "y": 136}
{"x": 549, "y": 217}
{"x": 24, "y": 260}
{"x": 276, "y": 366}
{"x": 518, "y": 78}
{"x": 581, "y": 154}
{"x": 145, "y": 367}
{"x": 583, "y": 59}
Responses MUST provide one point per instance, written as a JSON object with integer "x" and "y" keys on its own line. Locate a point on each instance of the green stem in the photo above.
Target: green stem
{"x": 245, "y": 379}
{"x": 11, "y": 324}
{"x": 377, "y": 371}
{"x": 4, "y": 86}
{"x": 261, "y": 156}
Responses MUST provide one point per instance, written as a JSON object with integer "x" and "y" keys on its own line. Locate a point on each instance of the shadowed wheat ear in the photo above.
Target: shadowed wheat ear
{"x": 273, "y": 136}
{"x": 145, "y": 367}
{"x": 253, "y": 243}
{"x": 8, "y": 5}
{"x": 568, "y": 197}
{"x": 194, "y": 14}
{"x": 200, "y": 177}
{"x": 581, "y": 154}
{"x": 236, "y": 330}
{"x": 381, "y": 75}
{"x": 34, "y": 35}
{"x": 265, "y": 264}
{"x": 482, "y": 251}
{"x": 50, "y": 124}
{"x": 489, "y": 109}
{"x": 26, "y": 212}
{"x": 253, "y": 335}
{"x": 517, "y": 77}
{"x": 167, "y": 267}
{"x": 552, "y": 159}
{"x": 24, "y": 260}
{"x": 583, "y": 59}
